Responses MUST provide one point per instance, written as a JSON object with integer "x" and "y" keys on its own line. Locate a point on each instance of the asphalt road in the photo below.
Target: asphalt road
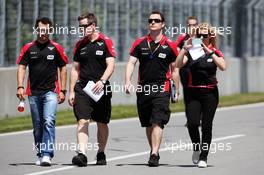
{"x": 237, "y": 148}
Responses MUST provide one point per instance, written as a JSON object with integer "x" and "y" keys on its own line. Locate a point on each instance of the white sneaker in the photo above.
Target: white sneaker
{"x": 202, "y": 164}
{"x": 46, "y": 161}
{"x": 195, "y": 157}
{"x": 38, "y": 162}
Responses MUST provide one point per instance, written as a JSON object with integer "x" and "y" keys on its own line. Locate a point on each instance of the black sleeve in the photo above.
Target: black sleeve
{"x": 172, "y": 56}
{"x": 76, "y": 54}
{"x": 107, "y": 53}
{"x": 173, "y": 52}
{"x": 24, "y": 58}
{"x": 135, "y": 51}
{"x": 59, "y": 60}
{"x": 181, "y": 45}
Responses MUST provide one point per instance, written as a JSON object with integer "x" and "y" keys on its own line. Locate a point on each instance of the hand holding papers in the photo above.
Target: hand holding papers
{"x": 197, "y": 50}
{"x": 88, "y": 89}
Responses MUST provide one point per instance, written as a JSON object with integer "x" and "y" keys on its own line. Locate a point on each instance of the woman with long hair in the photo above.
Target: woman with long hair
{"x": 202, "y": 96}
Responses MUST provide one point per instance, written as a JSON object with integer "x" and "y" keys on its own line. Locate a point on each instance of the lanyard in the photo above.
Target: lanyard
{"x": 152, "y": 52}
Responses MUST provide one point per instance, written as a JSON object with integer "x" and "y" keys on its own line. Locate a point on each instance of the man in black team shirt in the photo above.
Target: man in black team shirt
{"x": 156, "y": 55}
{"x": 192, "y": 24}
{"x": 43, "y": 58}
{"x": 93, "y": 61}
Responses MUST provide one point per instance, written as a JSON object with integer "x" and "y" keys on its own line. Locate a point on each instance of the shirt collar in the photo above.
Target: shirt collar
{"x": 162, "y": 40}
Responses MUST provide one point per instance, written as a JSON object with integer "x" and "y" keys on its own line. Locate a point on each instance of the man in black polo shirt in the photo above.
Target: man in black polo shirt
{"x": 192, "y": 24}
{"x": 156, "y": 55}
{"x": 43, "y": 58}
{"x": 93, "y": 61}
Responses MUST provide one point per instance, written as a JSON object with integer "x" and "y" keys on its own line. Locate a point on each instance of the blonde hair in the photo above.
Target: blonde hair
{"x": 211, "y": 32}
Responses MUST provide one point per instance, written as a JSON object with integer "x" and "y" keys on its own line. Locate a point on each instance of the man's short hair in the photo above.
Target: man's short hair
{"x": 90, "y": 17}
{"x": 44, "y": 20}
{"x": 159, "y": 13}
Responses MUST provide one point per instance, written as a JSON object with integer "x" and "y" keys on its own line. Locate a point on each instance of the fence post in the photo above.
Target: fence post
{"x": 65, "y": 24}
{"x": 18, "y": 27}
{"x": 249, "y": 40}
{"x": 35, "y": 15}
{"x": 139, "y": 19}
{"x": 116, "y": 29}
{"x": 257, "y": 29}
{"x": 105, "y": 18}
{"x": 2, "y": 31}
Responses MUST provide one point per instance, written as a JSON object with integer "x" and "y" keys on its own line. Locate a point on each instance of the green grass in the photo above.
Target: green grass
{"x": 122, "y": 111}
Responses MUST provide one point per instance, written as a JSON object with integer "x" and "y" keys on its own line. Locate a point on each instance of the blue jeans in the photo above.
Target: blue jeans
{"x": 43, "y": 112}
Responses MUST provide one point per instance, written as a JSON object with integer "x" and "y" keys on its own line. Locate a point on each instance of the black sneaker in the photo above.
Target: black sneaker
{"x": 154, "y": 160}
{"x": 79, "y": 160}
{"x": 100, "y": 158}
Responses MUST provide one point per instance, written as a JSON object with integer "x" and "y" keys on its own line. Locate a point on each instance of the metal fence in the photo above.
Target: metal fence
{"x": 124, "y": 20}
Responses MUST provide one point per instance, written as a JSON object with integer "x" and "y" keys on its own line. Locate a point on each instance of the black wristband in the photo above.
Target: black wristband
{"x": 64, "y": 91}
{"x": 211, "y": 53}
{"x": 20, "y": 87}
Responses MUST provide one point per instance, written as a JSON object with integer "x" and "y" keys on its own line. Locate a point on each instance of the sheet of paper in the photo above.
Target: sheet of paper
{"x": 196, "y": 52}
{"x": 88, "y": 89}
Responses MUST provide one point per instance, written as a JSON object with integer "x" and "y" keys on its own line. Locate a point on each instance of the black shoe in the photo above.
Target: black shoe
{"x": 154, "y": 160}
{"x": 80, "y": 160}
{"x": 100, "y": 158}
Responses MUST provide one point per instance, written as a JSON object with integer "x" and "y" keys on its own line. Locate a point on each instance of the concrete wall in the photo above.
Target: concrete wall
{"x": 242, "y": 75}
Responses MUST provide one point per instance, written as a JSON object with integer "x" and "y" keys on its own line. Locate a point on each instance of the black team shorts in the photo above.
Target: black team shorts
{"x": 86, "y": 108}
{"x": 153, "y": 108}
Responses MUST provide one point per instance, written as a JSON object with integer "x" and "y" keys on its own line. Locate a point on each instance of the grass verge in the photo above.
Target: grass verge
{"x": 122, "y": 111}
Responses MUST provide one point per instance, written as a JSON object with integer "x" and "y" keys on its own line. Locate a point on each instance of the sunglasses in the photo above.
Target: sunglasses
{"x": 155, "y": 21}
{"x": 192, "y": 25}
{"x": 85, "y": 25}
{"x": 202, "y": 35}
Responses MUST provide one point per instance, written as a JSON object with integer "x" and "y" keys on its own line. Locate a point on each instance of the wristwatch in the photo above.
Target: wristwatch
{"x": 103, "y": 81}
{"x": 64, "y": 91}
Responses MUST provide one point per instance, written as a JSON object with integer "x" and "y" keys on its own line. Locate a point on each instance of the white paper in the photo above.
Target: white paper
{"x": 88, "y": 89}
{"x": 196, "y": 52}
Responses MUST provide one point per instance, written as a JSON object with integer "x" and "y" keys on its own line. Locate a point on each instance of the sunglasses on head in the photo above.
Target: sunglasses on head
{"x": 155, "y": 21}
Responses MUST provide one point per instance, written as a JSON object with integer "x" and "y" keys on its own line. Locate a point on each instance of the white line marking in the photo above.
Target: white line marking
{"x": 134, "y": 155}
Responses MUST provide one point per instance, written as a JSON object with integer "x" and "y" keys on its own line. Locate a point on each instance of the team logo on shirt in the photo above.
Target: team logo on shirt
{"x": 162, "y": 55}
{"x": 100, "y": 43}
{"x": 99, "y": 52}
{"x": 164, "y": 47}
{"x": 50, "y": 48}
{"x": 50, "y": 57}
{"x": 144, "y": 51}
{"x": 33, "y": 53}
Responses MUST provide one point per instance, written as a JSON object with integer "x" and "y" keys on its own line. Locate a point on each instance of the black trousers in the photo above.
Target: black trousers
{"x": 197, "y": 101}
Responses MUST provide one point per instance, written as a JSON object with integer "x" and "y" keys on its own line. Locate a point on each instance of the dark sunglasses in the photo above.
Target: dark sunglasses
{"x": 192, "y": 25}
{"x": 85, "y": 25}
{"x": 203, "y": 35}
{"x": 155, "y": 21}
